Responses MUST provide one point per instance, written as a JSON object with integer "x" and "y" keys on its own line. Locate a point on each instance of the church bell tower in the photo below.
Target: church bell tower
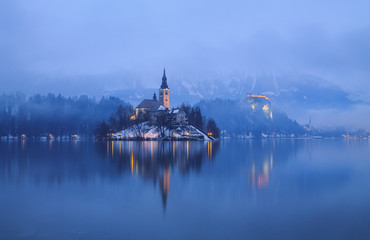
{"x": 164, "y": 92}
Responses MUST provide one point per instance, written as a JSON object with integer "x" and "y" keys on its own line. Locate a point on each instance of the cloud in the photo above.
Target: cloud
{"x": 53, "y": 40}
{"x": 353, "y": 118}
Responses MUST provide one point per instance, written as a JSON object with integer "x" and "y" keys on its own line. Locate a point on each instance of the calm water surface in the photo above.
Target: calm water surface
{"x": 252, "y": 189}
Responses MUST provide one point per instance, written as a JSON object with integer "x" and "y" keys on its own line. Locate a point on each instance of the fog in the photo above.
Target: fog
{"x": 93, "y": 46}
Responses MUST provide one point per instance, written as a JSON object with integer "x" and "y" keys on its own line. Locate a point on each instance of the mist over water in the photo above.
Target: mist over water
{"x": 293, "y": 189}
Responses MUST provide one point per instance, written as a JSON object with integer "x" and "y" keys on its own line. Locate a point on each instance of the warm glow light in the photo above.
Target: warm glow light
{"x": 271, "y": 160}
{"x": 209, "y": 146}
{"x": 187, "y": 150}
{"x": 120, "y": 148}
{"x": 173, "y": 149}
{"x": 151, "y": 150}
{"x": 265, "y": 168}
{"x": 258, "y": 96}
{"x": 166, "y": 180}
{"x": 262, "y": 180}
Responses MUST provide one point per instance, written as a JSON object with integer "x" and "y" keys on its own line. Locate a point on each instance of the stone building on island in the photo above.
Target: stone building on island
{"x": 152, "y": 109}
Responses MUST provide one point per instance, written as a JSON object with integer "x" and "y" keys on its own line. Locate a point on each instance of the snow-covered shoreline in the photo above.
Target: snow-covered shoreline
{"x": 144, "y": 131}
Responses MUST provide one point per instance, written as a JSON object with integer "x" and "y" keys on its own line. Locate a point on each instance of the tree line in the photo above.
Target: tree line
{"x": 238, "y": 118}
{"x": 121, "y": 119}
{"x": 195, "y": 118}
{"x": 40, "y": 115}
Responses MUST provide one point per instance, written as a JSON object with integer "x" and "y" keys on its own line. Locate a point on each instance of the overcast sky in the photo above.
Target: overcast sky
{"x": 43, "y": 41}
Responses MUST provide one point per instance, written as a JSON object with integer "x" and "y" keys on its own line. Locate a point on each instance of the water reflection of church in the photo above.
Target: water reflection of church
{"x": 157, "y": 161}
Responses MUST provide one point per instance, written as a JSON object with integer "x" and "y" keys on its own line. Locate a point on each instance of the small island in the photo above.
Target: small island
{"x": 154, "y": 119}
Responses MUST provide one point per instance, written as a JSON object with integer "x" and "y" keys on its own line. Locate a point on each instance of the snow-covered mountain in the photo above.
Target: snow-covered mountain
{"x": 301, "y": 96}
{"x": 284, "y": 90}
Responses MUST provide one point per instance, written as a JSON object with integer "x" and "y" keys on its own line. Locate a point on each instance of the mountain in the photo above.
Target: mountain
{"x": 238, "y": 118}
{"x": 294, "y": 94}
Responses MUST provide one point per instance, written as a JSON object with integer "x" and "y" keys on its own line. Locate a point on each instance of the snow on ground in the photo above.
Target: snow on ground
{"x": 148, "y": 132}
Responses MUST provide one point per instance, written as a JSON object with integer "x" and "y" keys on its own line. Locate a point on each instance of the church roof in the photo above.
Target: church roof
{"x": 176, "y": 111}
{"x": 161, "y": 108}
{"x": 149, "y": 103}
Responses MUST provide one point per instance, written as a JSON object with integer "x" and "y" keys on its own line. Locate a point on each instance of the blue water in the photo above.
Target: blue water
{"x": 251, "y": 189}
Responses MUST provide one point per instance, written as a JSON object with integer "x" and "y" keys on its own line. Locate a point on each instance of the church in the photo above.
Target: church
{"x": 149, "y": 109}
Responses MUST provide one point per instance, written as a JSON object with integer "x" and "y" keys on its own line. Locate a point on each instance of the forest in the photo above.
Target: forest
{"x": 57, "y": 115}
{"x": 237, "y": 118}
{"x": 40, "y": 115}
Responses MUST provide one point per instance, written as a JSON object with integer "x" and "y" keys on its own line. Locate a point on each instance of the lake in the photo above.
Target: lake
{"x": 230, "y": 189}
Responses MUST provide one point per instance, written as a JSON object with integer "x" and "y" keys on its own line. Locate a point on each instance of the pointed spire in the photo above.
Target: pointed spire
{"x": 154, "y": 97}
{"x": 164, "y": 80}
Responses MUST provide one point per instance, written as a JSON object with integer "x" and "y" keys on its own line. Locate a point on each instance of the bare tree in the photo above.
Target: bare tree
{"x": 162, "y": 122}
{"x": 138, "y": 128}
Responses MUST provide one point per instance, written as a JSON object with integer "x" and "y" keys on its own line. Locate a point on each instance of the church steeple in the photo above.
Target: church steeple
{"x": 164, "y": 92}
{"x": 164, "y": 80}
